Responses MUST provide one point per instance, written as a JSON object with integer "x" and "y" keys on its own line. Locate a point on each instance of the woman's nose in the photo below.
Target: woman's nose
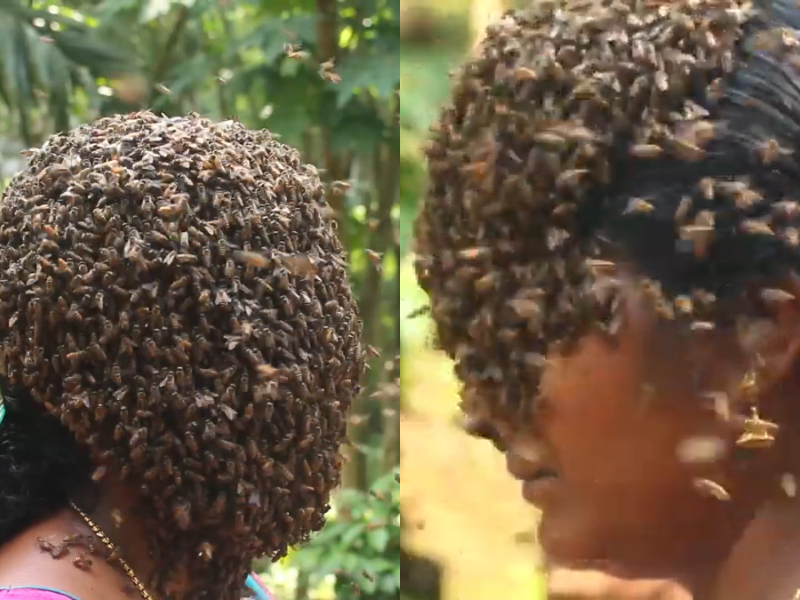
{"x": 527, "y": 449}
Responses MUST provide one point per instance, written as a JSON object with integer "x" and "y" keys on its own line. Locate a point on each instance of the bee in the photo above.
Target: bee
{"x": 789, "y": 485}
{"x": 82, "y": 562}
{"x": 639, "y": 206}
{"x": 206, "y": 551}
{"x": 45, "y": 545}
{"x": 711, "y": 489}
{"x": 99, "y": 473}
{"x": 776, "y": 296}
{"x": 646, "y": 150}
{"x": 771, "y": 150}
{"x": 756, "y": 227}
{"x": 327, "y": 73}
{"x": 182, "y": 513}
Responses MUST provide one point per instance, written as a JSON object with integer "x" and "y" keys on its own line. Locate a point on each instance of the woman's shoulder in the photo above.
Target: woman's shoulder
{"x": 24, "y": 564}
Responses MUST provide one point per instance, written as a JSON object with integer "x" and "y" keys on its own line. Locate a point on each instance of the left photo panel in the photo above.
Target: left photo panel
{"x": 199, "y": 300}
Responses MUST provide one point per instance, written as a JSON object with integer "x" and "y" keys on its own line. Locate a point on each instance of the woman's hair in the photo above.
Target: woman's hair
{"x": 175, "y": 312}
{"x": 660, "y": 134}
{"x": 41, "y": 464}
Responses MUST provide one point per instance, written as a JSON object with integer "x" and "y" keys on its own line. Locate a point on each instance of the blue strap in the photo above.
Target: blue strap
{"x": 259, "y": 592}
{"x": 40, "y": 589}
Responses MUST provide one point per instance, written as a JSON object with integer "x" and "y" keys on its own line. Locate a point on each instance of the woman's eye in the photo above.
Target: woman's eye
{"x": 484, "y": 430}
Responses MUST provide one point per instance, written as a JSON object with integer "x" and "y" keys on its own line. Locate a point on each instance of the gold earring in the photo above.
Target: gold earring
{"x": 758, "y": 433}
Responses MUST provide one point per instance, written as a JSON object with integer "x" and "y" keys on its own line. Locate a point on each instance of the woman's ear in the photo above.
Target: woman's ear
{"x": 774, "y": 341}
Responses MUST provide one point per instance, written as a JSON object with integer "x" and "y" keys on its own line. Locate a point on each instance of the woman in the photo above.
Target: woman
{"x": 611, "y": 247}
{"x": 179, "y": 351}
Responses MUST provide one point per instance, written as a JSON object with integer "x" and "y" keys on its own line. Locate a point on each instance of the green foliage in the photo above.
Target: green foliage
{"x": 44, "y": 56}
{"x": 360, "y": 545}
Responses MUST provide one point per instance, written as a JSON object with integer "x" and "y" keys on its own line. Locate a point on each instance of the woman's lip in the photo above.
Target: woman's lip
{"x": 539, "y": 490}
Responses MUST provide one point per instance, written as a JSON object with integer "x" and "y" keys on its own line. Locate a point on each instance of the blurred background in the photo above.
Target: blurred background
{"x": 323, "y": 75}
{"x": 467, "y": 535}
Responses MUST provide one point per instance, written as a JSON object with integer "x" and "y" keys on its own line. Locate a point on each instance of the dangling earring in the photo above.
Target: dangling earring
{"x": 758, "y": 433}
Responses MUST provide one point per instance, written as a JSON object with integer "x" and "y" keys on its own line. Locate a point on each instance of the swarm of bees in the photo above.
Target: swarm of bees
{"x": 565, "y": 105}
{"x": 170, "y": 291}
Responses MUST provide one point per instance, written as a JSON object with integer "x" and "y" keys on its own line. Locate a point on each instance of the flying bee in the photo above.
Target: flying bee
{"x": 295, "y": 52}
{"x": 711, "y": 489}
{"x": 327, "y": 73}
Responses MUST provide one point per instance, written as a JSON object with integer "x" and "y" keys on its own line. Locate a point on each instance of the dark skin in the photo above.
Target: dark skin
{"x": 24, "y": 563}
{"x": 622, "y": 518}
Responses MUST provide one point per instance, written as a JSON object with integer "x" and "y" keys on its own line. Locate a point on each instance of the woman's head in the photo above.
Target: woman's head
{"x": 175, "y": 313}
{"x": 610, "y": 245}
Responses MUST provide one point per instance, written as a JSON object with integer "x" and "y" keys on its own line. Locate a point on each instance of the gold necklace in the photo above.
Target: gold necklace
{"x": 112, "y": 549}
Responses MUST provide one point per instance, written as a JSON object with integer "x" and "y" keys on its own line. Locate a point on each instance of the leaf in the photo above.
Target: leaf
{"x": 354, "y": 532}
{"x": 78, "y": 42}
{"x": 377, "y": 71}
{"x": 368, "y": 585}
{"x": 21, "y": 64}
{"x": 108, "y": 11}
{"x": 87, "y": 51}
{"x": 4, "y": 95}
{"x": 390, "y": 582}
{"x": 358, "y": 128}
{"x": 279, "y": 6}
{"x": 154, "y": 9}
{"x": 293, "y": 101}
{"x": 7, "y": 88}
{"x": 58, "y": 92}
{"x": 379, "y": 539}
{"x": 191, "y": 74}
{"x": 351, "y": 563}
{"x": 272, "y": 35}
{"x": 331, "y": 563}
{"x": 387, "y": 481}
{"x": 330, "y": 532}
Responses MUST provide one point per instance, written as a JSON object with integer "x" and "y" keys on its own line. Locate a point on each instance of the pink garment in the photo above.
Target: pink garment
{"x": 32, "y": 594}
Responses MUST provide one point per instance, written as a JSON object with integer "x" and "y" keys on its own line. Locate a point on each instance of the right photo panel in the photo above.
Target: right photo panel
{"x": 599, "y": 294}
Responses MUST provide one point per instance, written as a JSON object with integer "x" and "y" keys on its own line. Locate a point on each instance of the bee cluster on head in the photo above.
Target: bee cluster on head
{"x": 585, "y": 135}
{"x": 175, "y": 312}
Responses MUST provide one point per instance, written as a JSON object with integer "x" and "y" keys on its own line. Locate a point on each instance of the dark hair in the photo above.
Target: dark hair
{"x": 177, "y": 310}
{"x": 41, "y": 464}
{"x": 587, "y": 134}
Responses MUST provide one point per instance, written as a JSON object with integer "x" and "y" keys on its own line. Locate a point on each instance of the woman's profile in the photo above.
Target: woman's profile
{"x": 611, "y": 246}
{"x": 179, "y": 348}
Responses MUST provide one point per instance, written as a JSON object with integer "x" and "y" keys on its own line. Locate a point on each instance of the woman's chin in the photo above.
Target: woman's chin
{"x": 566, "y": 541}
{"x": 566, "y": 544}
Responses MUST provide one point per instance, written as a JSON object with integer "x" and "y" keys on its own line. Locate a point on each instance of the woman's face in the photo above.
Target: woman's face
{"x": 605, "y": 459}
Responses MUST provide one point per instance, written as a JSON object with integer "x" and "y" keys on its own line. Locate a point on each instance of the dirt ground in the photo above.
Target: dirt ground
{"x": 461, "y": 508}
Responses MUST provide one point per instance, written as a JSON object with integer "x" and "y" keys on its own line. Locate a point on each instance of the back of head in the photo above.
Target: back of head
{"x": 175, "y": 313}
{"x": 661, "y": 134}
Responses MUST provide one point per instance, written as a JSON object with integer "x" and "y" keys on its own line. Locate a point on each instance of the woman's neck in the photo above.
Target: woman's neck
{"x": 115, "y": 513}
{"x": 765, "y": 562}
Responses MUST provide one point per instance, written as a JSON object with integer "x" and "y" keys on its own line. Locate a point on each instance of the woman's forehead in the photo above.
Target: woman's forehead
{"x": 594, "y": 356}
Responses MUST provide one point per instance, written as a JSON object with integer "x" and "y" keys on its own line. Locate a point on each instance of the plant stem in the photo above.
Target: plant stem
{"x": 380, "y": 240}
{"x": 336, "y": 166}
